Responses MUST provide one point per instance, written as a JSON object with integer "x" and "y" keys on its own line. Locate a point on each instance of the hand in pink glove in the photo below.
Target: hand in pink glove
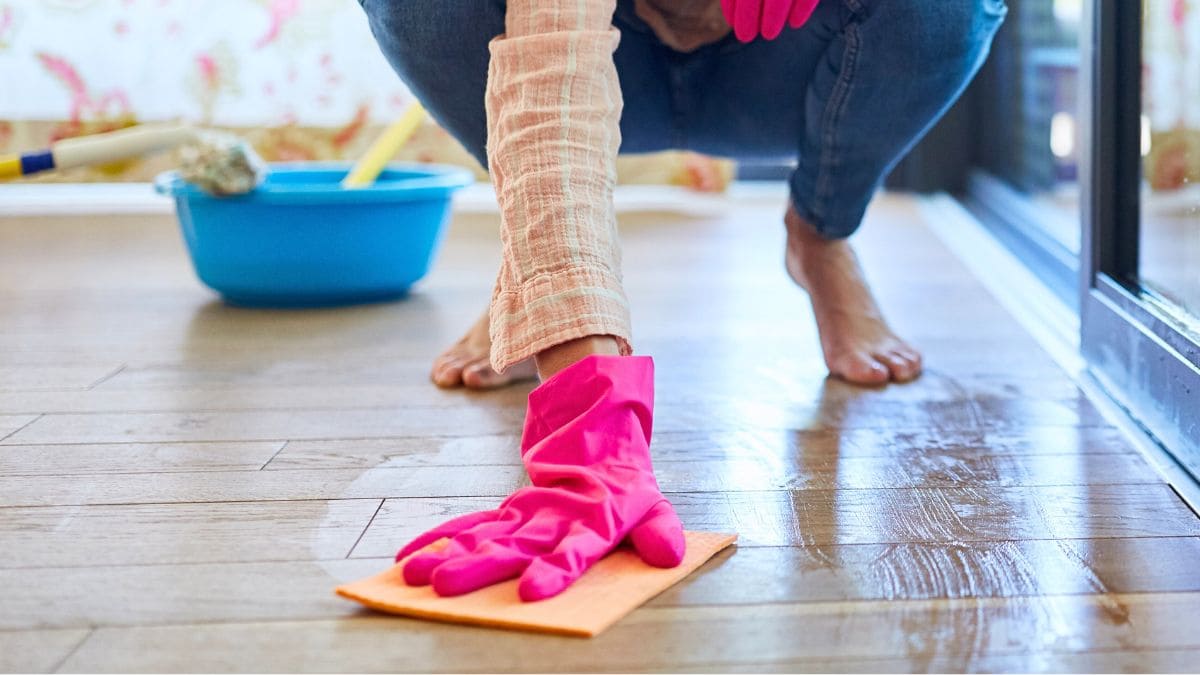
{"x": 750, "y": 18}
{"x": 586, "y": 447}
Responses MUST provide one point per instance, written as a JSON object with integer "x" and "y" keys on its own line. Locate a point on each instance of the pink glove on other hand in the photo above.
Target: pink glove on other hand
{"x": 586, "y": 446}
{"x": 750, "y": 18}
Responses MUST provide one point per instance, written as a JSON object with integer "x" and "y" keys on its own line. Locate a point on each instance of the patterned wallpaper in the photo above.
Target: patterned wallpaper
{"x": 300, "y": 79}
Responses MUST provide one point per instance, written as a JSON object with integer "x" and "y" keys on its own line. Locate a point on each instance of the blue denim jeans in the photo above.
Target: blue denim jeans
{"x": 845, "y": 97}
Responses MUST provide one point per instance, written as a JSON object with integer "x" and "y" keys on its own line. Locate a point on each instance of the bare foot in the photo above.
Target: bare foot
{"x": 858, "y": 344}
{"x": 467, "y": 363}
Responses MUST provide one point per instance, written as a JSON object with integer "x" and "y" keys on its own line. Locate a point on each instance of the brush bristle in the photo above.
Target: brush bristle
{"x": 221, "y": 164}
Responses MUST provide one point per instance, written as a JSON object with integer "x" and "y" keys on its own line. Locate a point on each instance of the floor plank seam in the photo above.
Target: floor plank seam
{"x": 516, "y": 463}
{"x": 121, "y": 368}
{"x": 21, "y": 428}
{"x": 515, "y": 435}
{"x": 932, "y": 603}
{"x": 67, "y": 657}
{"x": 502, "y": 495}
{"x": 740, "y": 545}
{"x": 292, "y": 408}
{"x": 362, "y": 534}
{"x": 234, "y": 501}
{"x": 129, "y": 443}
{"x": 272, "y": 458}
{"x": 846, "y": 661}
{"x": 187, "y": 563}
{"x": 756, "y": 547}
{"x": 175, "y": 472}
{"x": 658, "y": 462}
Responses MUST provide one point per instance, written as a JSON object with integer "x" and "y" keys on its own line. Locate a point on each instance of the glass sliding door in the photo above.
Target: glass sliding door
{"x": 1140, "y": 270}
{"x": 1024, "y": 178}
{"x": 1169, "y": 251}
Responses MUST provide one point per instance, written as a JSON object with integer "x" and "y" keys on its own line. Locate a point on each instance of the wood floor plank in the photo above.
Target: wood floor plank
{"x": 181, "y": 533}
{"x": 681, "y": 376}
{"x": 913, "y": 633}
{"x": 914, "y": 471}
{"x": 128, "y": 595}
{"x": 469, "y": 420}
{"x": 37, "y": 651}
{"x": 24, "y": 378}
{"x": 263, "y": 425}
{"x": 60, "y": 460}
{"x": 771, "y": 446}
{"x": 942, "y": 514}
{"x": 259, "y": 397}
{"x": 123, "y": 595}
{"x": 725, "y": 476}
{"x": 230, "y": 385}
{"x": 1108, "y": 661}
{"x": 894, "y": 443}
{"x": 235, "y": 373}
{"x": 919, "y": 571}
{"x": 246, "y": 486}
{"x": 820, "y": 517}
{"x": 941, "y": 415}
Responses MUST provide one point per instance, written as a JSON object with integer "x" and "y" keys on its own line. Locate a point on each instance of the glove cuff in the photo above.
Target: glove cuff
{"x": 595, "y": 384}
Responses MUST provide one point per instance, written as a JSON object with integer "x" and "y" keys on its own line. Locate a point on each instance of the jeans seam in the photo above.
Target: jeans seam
{"x": 838, "y": 99}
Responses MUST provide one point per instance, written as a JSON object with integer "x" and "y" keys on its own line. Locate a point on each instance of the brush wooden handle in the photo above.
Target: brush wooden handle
{"x": 97, "y": 149}
{"x": 114, "y": 145}
{"x": 385, "y": 148}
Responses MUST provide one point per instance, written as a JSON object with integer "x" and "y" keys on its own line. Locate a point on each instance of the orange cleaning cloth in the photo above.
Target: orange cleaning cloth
{"x": 614, "y": 587}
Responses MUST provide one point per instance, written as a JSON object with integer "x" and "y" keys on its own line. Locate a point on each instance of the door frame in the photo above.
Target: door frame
{"x": 1146, "y": 358}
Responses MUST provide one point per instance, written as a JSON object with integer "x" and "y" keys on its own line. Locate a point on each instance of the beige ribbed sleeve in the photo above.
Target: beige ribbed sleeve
{"x": 553, "y": 112}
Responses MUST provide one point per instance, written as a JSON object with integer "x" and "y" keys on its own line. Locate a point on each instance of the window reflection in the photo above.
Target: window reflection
{"x": 1032, "y": 111}
{"x": 1170, "y": 230}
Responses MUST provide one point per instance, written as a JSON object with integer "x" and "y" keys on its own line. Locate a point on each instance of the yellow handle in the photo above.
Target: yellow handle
{"x": 385, "y": 148}
{"x": 10, "y": 167}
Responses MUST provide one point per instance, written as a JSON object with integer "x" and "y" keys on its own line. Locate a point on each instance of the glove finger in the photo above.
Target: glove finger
{"x": 550, "y": 574}
{"x": 448, "y": 529}
{"x": 490, "y": 564}
{"x": 802, "y": 11}
{"x": 729, "y": 9}
{"x": 746, "y": 19}
{"x": 658, "y": 539}
{"x": 774, "y": 17}
{"x": 419, "y": 570}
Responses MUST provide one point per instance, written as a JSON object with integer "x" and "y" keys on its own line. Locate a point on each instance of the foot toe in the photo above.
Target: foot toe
{"x": 913, "y": 357}
{"x": 448, "y": 371}
{"x": 862, "y": 369}
{"x": 900, "y": 367}
{"x": 479, "y": 375}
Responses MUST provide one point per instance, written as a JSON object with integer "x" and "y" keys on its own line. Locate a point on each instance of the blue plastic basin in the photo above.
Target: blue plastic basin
{"x": 301, "y": 240}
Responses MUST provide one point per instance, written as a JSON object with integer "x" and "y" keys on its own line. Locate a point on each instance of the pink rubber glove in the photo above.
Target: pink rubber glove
{"x": 586, "y": 446}
{"x": 750, "y": 18}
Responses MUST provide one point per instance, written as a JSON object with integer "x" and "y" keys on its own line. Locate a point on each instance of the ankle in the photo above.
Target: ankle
{"x": 804, "y": 238}
{"x": 550, "y": 361}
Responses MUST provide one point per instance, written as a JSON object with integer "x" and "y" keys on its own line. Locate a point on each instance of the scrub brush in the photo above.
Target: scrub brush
{"x": 217, "y": 162}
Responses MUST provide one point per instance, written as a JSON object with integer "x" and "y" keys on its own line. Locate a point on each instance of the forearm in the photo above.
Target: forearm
{"x": 553, "y": 107}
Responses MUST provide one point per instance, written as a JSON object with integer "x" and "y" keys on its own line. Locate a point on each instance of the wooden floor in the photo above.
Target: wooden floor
{"x": 183, "y": 483}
